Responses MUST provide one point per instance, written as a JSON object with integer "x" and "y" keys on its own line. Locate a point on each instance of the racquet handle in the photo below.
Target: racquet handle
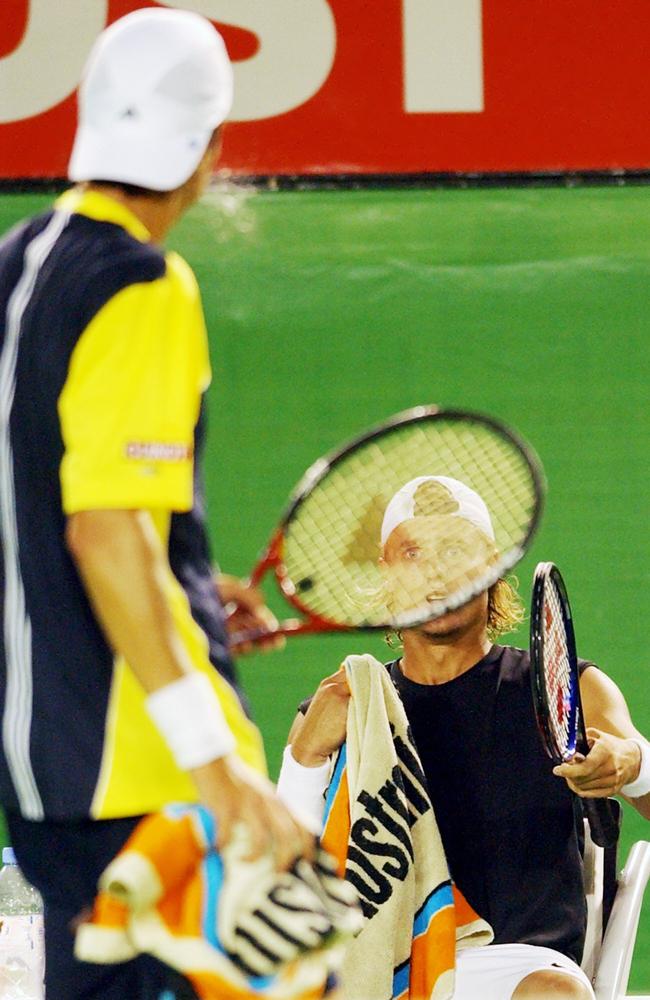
{"x": 290, "y": 626}
{"x": 260, "y": 635}
{"x": 604, "y": 827}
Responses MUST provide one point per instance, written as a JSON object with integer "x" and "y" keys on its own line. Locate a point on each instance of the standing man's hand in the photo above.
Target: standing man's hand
{"x": 247, "y": 612}
{"x": 234, "y": 793}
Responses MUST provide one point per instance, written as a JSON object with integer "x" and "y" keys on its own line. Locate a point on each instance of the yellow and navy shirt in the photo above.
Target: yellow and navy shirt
{"x": 103, "y": 367}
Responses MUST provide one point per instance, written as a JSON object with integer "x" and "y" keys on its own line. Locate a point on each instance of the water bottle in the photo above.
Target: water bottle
{"x": 22, "y": 941}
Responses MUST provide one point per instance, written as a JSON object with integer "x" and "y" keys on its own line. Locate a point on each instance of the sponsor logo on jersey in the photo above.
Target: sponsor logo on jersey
{"x": 158, "y": 451}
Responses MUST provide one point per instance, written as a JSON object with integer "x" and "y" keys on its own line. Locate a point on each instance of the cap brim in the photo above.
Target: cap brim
{"x": 160, "y": 163}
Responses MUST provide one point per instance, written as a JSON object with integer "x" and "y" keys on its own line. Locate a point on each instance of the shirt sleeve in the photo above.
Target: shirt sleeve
{"x": 131, "y": 400}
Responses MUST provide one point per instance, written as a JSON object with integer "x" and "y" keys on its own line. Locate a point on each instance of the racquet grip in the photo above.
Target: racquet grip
{"x": 254, "y": 635}
{"x": 290, "y": 626}
{"x": 602, "y": 823}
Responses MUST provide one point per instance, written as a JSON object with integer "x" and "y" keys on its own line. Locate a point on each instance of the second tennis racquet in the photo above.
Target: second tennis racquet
{"x": 556, "y": 688}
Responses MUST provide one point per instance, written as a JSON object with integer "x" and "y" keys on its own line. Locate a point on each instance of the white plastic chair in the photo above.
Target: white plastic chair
{"x": 614, "y": 903}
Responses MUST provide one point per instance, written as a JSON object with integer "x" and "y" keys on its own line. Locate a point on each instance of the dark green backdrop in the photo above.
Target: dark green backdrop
{"x": 329, "y": 311}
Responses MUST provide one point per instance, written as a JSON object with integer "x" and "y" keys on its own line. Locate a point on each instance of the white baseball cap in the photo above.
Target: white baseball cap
{"x": 155, "y": 86}
{"x": 464, "y": 502}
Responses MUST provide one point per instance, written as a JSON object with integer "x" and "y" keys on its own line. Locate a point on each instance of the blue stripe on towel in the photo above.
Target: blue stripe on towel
{"x": 212, "y": 881}
{"x": 341, "y": 761}
{"x": 441, "y": 897}
{"x": 401, "y": 978}
{"x": 437, "y": 900}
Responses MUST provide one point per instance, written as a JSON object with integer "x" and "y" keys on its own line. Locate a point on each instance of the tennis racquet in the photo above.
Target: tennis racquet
{"x": 327, "y": 554}
{"x": 556, "y": 688}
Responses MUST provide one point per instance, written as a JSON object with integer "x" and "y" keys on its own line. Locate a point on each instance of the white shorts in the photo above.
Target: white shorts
{"x": 495, "y": 971}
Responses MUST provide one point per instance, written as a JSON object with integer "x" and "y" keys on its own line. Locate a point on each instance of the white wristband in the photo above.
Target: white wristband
{"x": 188, "y": 714}
{"x": 302, "y": 788}
{"x": 641, "y": 784}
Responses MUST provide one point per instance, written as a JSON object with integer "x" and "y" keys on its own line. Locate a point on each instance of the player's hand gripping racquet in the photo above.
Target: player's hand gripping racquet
{"x": 328, "y": 555}
{"x": 556, "y": 688}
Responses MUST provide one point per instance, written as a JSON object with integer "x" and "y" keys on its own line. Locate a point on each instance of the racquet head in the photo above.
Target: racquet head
{"x": 556, "y": 688}
{"x": 554, "y": 664}
{"x": 356, "y": 550}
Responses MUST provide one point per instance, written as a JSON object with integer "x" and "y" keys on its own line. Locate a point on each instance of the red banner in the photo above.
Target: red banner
{"x": 356, "y": 86}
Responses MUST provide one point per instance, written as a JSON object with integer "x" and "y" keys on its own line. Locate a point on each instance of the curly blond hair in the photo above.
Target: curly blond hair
{"x": 506, "y": 609}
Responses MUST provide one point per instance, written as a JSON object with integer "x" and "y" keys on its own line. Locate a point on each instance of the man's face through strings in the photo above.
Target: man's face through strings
{"x": 428, "y": 558}
{"x": 433, "y": 553}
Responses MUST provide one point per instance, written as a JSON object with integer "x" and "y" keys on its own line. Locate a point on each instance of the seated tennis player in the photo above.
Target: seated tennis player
{"x": 510, "y": 822}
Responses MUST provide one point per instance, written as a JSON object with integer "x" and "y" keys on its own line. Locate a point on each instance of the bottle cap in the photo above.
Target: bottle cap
{"x": 8, "y": 856}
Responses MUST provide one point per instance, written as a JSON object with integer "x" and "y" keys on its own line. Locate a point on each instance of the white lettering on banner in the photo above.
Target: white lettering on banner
{"x": 443, "y": 56}
{"x": 442, "y": 44}
{"x": 296, "y": 53}
{"x": 46, "y": 67}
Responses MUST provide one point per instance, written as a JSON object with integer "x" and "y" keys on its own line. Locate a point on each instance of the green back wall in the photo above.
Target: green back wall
{"x": 329, "y": 311}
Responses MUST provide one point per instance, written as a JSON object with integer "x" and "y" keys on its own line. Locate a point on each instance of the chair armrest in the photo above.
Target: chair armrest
{"x": 618, "y": 944}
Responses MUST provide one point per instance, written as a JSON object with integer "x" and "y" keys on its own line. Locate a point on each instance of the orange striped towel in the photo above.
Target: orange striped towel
{"x": 235, "y": 929}
{"x": 380, "y": 825}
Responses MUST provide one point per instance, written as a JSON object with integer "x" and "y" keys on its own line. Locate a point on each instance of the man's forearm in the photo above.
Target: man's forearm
{"x": 123, "y": 567}
{"x": 126, "y": 575}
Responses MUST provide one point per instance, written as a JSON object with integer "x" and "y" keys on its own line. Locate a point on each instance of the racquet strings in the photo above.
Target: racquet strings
{"x": 332, "y": 552}
{"x": 559, "y": 676}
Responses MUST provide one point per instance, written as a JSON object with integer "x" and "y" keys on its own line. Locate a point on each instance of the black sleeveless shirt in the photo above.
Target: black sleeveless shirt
{"x": 511, "y": 830}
